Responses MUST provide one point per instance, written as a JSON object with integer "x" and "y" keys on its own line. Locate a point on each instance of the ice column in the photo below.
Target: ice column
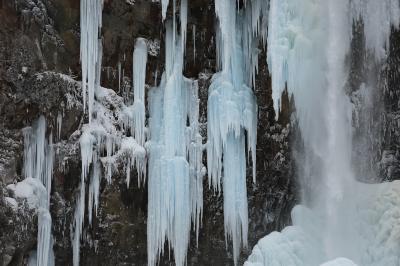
{"x": 232, "y": 111}
{"x": 175, "y": 158}
{"x": 139, "y": 79}
{"x": 91, "y": 20}
{"x": 38, "y": 163}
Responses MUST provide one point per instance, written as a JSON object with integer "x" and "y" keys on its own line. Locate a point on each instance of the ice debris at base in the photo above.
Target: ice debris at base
{"x": 374, "y": 211}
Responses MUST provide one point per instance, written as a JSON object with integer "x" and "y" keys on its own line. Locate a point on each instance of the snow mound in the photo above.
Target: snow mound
{"x": 339, "y": 262}
{"x": 30, "y": 189}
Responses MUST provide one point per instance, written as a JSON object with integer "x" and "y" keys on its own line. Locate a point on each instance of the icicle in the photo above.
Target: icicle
{"x": 164, "y": 7}
{"x": 59, "y": 125}
{"x": 86, "y": 143}
{"x": 183, "y": 18}
{"x": 91, "y": 20}
{"x": 119, "y": 77}
{"x": 94, "y": 189}
{"x": 109, "y": 150}
{"x": 139, "y": 78}
{"x": 194, "y": 42}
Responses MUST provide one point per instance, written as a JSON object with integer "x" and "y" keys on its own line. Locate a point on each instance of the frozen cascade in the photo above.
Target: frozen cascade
{"x": 232, "y": 110}
{"x": 308, "y": 42}
{"x": 91, "y": 20}
{"x": 175, "y": 157}
{"x": 38, "y": 164}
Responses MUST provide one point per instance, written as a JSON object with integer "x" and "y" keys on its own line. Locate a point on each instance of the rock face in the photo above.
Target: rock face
{"x": 39, "y": 70}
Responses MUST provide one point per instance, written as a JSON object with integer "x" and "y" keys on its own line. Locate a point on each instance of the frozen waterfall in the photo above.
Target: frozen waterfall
{"x": 308, "y": 46}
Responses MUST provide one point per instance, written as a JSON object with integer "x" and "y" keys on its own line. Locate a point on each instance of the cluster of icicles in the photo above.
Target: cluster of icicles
{"x": 171, "y": 144}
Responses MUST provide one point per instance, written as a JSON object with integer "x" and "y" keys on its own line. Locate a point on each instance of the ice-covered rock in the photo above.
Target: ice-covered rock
{"x": 30, "y": 189}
